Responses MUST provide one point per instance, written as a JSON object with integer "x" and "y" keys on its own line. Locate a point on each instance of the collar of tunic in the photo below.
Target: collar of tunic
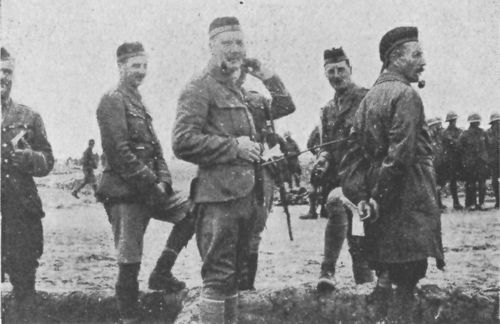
{"x": 388, "y": 76}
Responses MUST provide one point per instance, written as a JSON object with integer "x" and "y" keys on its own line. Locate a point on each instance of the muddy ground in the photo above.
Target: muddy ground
{"x": 77, "y": 270}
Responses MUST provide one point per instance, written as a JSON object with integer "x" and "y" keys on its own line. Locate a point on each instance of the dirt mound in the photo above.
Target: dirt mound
{"x": 289, "y": 305}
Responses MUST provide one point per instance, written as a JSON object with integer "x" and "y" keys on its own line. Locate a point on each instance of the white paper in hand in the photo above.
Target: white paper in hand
{"x": 357, "y": 223}
{"x": 270, "y": 153}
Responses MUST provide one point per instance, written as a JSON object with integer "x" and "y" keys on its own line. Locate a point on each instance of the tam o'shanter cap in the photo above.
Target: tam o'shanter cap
{"x": 334, "y": 55}
{"x": 128, "y": 50}
{"x": 223, "y": 24}
{"x": 7, "y": 60}
{"x": 394, "y": 38}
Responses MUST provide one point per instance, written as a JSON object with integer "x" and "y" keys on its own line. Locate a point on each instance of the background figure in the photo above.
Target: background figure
{"x": 294, "y": 169}
{"x": 26, "y": 153}
{"x": 436, "y": 133}
{"x": 494, "y": 153}
{"x": 452, "y": 156}
{"x": 316, "y": 192}
{"x": 474, "y": 143}
{"x": 394, "y": 135}
{"x": 89, "y": 163}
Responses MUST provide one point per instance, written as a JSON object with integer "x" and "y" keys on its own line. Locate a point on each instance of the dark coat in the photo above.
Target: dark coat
{"x": 474, "y": 144}
{"x": 134, "y": 157}
{"x": 211, "y": 113}
{"x": 451, "y": 150}
{"x": 393, "y": 132}
{"x": 18, "y": 184}
{"x": 493, "y": 134}
{"x": 438, "y": 157}
{"x": 89, "y": 161}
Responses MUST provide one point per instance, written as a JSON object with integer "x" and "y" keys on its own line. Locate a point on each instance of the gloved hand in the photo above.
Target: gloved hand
{"x": 248, "y": 150}
{"x": 375, "y": 210}
{"x": 319, "y": 168}
{"x": 364, "y": 210}
{"x": 256, "y": 69}
{"x": 22, "y": 159}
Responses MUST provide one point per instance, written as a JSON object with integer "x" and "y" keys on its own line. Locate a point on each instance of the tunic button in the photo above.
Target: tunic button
{"x": 4, "y": 145}
{"x": 5, "y": 160}
{"x": 7, "y": 175}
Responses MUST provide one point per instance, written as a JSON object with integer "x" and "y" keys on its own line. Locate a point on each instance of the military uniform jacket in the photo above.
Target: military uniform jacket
{"x": 18, "y": 184}
{"x": 474, "y": 144}
{"x": 494, "y": 147}
{"x": 337, "y": 118}
{"x": 392, "y": 129}
{"x": 134, "y": 157}
{"x": 88, "y": 160}
{"x": 211, "y": 113}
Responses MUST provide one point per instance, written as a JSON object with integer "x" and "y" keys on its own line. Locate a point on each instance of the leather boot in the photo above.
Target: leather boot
{"x": 361, "y": 271}
{"x": 127, "y": 292}
{"x": 162, "y": 278}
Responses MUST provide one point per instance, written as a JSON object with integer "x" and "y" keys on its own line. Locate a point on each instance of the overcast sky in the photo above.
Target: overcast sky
{"x": 65, "y": 54}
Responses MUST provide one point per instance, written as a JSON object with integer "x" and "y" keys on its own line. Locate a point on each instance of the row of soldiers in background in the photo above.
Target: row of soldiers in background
{"x": 471, "y": 155}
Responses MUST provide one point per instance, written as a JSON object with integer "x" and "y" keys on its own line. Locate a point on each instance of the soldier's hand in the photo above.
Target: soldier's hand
{"x": 248, "y": 150}
{"x": 255, "y": 68}
{"x": 364, "y": 210}
{"x": 22, "y": 158}
{"x": 320, "y": 167}
{"x": 375, "y": 209}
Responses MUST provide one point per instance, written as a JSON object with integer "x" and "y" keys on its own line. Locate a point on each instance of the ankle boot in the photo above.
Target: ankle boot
{"x": 161, "y": 278}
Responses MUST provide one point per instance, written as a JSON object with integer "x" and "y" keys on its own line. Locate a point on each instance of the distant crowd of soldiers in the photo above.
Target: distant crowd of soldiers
{"x": 376, "y": 165}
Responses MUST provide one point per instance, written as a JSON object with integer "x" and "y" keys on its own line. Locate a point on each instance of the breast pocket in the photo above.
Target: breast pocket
{"x": 138, "y": 126}
{"x": 231, "y": 118}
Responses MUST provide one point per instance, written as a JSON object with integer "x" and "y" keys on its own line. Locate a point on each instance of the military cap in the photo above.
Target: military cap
{"x": 473, "y": 118}
{"x": 434, "y": 121}
{"x": 451, "y": 116}
{"x": 128, "y": 50}
{"x": 494, "y": 117}
{"x": 395, "y": 37}
{"x": 7, "y": 59}
{"x": 334, "y": 55}
{"x": 223, "y": 24}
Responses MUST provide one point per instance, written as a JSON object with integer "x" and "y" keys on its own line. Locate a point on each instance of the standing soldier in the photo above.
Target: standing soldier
{"x": 26, "y": 153}
{"x": 215, "y": 130}
{"x": 136, "y": 184}
{"x": 452, "y": 156}
{"x": 267, "y": 177}
{"x": 494, "y": 153}
{"x": 394, "y": 136}
{"x": 316, "y": 194}
{"x": 292, "y": 150}
{"x": 336, "y": 122}
{"x": 436, "y": 133}
{"x": 89, "y": 163}
{"x": 474, "y": 143}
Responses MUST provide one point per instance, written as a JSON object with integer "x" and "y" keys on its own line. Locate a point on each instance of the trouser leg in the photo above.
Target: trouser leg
{"x": 454, "y": 192}
{"x": 223, "y": 231}
{"x": 81, "y": 186}
{"x": 470, "y": 196}
{"x": 494, "y": 184}
{"x": 335, "y": 234}
{"x": 481, "y": 188}
{"x": 360, "y": 267}
{"x": 127, "y": 290}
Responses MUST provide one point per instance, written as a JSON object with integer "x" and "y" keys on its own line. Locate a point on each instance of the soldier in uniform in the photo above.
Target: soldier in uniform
{"x": 214, "y": 129}
{"x": 436, "y": 133}
{"x": 136, "y": 184}
{"x": 474, "y": 144}
{"x": 293, "y": 151}
{"x": 494, "y": 153}
{"x": 336, "y": 122}
{"x": 316, "y": 194}
{"x": 89, "y": 163}
{"x": 267, "y": 177}
{"x": 452, "y": 156}
{"x": 401, "y": 181}
{"x": 26, "y": 153}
